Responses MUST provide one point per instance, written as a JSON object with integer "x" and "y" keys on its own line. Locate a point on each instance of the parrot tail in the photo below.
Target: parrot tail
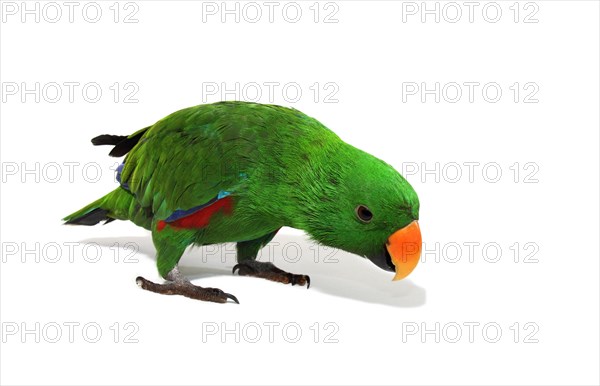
{"x": 116, "y": 205}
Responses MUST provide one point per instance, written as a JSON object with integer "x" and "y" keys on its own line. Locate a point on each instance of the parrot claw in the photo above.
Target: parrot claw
{"x": 187, "y": 289}
{"x": 269, "y": 271}
{"x": 230, "y": 296}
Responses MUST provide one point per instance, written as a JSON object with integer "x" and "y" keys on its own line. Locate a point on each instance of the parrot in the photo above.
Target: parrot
{"x": 237, "y": 172}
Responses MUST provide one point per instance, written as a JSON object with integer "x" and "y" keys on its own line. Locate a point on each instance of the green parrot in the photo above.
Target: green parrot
{"x": 238, "y": 172}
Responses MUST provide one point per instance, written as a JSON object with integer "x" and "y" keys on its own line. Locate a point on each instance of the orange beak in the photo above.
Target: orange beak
{"x": 404, "y": 247}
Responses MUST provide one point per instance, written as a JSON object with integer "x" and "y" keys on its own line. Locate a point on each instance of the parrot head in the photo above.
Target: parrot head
{"x": 367, "y": 208}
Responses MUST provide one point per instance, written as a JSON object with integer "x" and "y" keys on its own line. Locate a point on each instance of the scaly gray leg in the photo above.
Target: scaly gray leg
{"x": 269, "y": 271}
{"x": 177, "y": 284}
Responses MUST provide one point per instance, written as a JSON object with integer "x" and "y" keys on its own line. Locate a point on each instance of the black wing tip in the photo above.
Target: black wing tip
{"x": 124, "y": 146}
{"x": 91, "y": 218}
{"x": 108, "y": 139}
{"x": 119, "y": 151}
{"x": 122, "y": 143}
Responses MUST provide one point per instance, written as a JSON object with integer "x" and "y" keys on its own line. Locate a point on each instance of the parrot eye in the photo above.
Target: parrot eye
{"x": 363, "y": 213}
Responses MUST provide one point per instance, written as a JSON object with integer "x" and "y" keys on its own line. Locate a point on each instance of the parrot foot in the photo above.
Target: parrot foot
{"x": 269, "y": 271}
{"x": 182, "y": 286}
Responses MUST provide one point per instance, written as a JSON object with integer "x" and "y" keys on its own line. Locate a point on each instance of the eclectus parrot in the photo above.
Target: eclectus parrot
{"x": 238, "y": 172}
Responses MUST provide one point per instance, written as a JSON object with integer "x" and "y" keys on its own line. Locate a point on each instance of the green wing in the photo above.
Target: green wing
{"x": 187, "y": 158}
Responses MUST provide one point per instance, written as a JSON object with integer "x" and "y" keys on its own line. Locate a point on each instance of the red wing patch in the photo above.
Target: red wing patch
{"x": 200, "y": 218}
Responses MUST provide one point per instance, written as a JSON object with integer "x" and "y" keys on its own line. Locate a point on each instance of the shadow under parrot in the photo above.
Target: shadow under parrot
{"x": 332, "y": 271}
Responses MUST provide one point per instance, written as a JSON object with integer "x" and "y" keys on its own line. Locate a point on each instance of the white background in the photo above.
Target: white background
{"x": 172, "y": 55}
